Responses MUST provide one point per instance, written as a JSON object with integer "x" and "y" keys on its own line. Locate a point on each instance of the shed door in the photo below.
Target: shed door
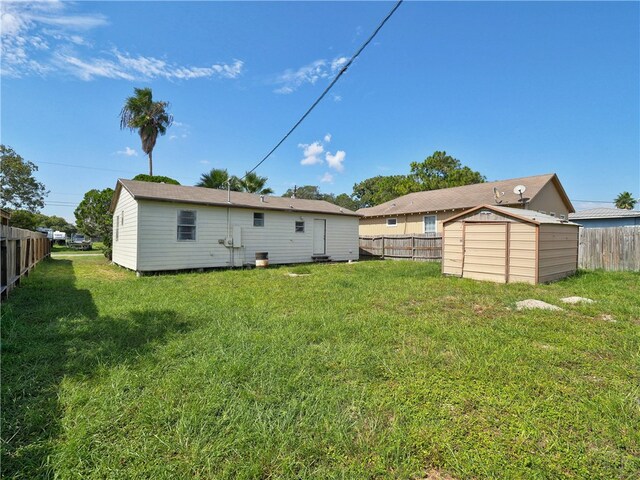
{"x": 319, "y": 236}
{"x": 485, "y": 251}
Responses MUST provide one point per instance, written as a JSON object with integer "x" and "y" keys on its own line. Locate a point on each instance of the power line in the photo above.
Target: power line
{"x": 326, "y": 90}
{"x": 88, "y": 168}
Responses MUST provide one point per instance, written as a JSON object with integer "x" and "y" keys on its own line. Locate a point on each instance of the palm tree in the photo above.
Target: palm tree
{"x": 149, "y": 118}
{"x": 253, "y": 183}
{"x": 625, "y": 201}
{"x": 216, "y": 178}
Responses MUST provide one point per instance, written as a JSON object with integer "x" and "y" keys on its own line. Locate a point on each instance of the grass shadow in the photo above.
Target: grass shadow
{"x": 53, "y": 330}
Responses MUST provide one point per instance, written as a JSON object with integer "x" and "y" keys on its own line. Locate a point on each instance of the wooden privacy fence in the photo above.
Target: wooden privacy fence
{"x": 21, "y": 250}
{"x": 612, "y": 248}
{"x": 411, "y": 247}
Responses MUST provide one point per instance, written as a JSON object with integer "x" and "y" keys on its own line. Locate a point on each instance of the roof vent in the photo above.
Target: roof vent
{"x": 262, "y": 198}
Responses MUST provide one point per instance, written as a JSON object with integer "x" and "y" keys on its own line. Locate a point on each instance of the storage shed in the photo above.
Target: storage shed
{"x": 503, "y": 244}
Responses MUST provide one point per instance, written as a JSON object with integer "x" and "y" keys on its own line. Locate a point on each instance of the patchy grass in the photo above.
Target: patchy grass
{"x": 96, "y": 247}
{"x": 369, "y": 370}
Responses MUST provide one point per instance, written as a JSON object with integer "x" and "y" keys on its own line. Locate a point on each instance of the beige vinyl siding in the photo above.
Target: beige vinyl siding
{"x": 407, "y": 224}
{"x": 452, "y": 249}
{"x": 125, "y": 248}
{"x": 558, "y": 252}
{"x": 522, "y": 253}
{"x": 160, "y": 249}
{"x": 485, "y": 250}
{"x": 549, "y": 200}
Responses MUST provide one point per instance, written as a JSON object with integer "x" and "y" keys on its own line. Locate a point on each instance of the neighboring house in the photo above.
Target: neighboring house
{"x": 424, "y": 212}
{"x": 505, "y": 245}
{"x": 606, "y": 217}
{"x": 158, "y": 227}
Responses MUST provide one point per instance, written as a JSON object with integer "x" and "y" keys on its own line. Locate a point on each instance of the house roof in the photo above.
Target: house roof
{"x": 529, "y": 216}
{"x": 467, "y": 196}
{"x": 604, "y": 213}
{"x": 164, "y": 192}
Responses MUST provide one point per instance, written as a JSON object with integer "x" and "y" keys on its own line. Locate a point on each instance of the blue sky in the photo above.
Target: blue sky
{"x": 509, "y": 88}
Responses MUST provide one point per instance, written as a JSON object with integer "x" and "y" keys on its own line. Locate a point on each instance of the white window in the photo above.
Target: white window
{"x": 430, "y": 224}
{"x": 122, "y": 218}
{"x": 186, "y": 225}
{"x": 258, "y": 219}
{"x": 392, "y": 222}
{"x": 117, "y": 227}
{"x": 299, "y": 227}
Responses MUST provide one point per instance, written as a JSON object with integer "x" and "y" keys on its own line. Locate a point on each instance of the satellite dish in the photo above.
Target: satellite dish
{"x": 519, "y": 189}
{"x": 497, "y": 194}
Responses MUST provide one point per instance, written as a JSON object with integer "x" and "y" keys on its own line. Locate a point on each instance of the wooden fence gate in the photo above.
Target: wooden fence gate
{"x": 20, "y": 251}
{"x": 410, "y": 247}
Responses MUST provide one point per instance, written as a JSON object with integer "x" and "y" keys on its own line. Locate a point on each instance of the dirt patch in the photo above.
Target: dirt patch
{"x": 434, "y": 474}
{"x": 607, "y": 318}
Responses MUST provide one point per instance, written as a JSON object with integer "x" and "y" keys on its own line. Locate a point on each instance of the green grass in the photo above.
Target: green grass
{"x": 97, "y": 247}
{"x": 369, "y": 370}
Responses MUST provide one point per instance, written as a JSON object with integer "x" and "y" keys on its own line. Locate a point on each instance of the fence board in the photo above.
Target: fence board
{"x": 20, "y": 251}
{"x": 413, "y": 247}
{"x": 612, "y": 248}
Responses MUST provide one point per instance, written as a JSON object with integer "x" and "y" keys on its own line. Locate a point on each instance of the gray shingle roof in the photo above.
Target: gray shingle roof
{"x": 208, "y": 196}
{"x": 604, "y": 213}
{"x": 467, "y": 196}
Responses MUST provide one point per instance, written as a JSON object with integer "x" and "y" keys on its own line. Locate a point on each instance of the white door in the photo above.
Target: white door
{"x": 319, "y": 236}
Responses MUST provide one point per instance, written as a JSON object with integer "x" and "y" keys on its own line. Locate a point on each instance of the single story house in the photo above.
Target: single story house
{"x": 606, "y": 217}
{"x": 504, "y": 245}
{"x": 424, "y": 212}
{"x": 160, "y": 227}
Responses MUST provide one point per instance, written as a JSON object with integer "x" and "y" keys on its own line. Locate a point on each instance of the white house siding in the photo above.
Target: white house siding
{"x": 159, "y": 248}
{"x": 125, "y": 245}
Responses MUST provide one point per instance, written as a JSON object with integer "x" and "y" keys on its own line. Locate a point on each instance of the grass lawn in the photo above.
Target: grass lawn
{"x": 96, "y": 247}
{"x": 369, "y": 370}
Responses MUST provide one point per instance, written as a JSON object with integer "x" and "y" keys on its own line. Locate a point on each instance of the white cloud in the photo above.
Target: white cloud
{"x": 327, "y": 138}
{"x": 205, "y": 162}
{"x": 327, "y": 178}
{"x": 336, "y": 161}
{"x": 338, "y": 63}
{"x": 43, "y": 37}
{"x": 312, "y": 153}
{"x": 172, "y": 137}
{"x": 290, "y": 80}
{"x": 336, "y": 98}
{"x": 129, "y": 152}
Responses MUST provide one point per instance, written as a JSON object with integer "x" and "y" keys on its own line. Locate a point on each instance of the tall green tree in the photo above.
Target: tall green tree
{"x": 376, "y": 190}
{"x": 18, "y": 187}
{"x": 345, "y": 201}
{"x": 93, "y": 217}
{"x": 625, "y": 201}
{"x": 254, "y": 183}
{"x": 440, "y": 170}
{"x": 149, "y": 118}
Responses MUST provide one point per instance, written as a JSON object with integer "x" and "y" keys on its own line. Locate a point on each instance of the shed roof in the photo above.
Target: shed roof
{"x": 604, "y": 213}
{"x": 466, "y": 197}
{"x": 164, "y": 192}
{"x": 529, "y": 216}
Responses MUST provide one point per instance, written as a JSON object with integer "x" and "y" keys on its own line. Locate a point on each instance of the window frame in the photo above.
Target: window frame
{"x": 435, "y": 224}
{"x": 194, "y": 226}
{"x": 117, "y": 235}
{"x": 394, "y": 224}
{"x": 258, "y": 216}
{"x": 298, "y": 226}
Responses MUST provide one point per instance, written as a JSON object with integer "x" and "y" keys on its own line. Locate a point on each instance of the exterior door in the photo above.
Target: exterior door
{"x": 319, "y": 236}
{"x": 485, "y": 252}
